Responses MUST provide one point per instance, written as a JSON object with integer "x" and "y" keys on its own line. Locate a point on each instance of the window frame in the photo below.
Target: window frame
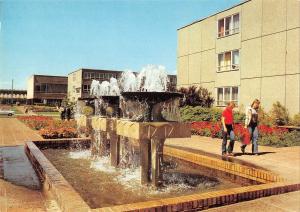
{"x": 231, "y": 30}
{"x": 223, "y": 101}
{"x": 232, "y": 67}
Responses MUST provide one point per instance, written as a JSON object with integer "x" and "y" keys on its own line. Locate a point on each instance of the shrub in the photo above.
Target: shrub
{"x": 279, "y": 114}
{"x": 43, "y": 109}
{"x": 296, "y": 120}
{"x": 264, "y": 118}
{"x": 87, "y": 110}
{"x": 190, "y": 114}
{"x": 196, "y": 96}
{"x": 287, "y": 139}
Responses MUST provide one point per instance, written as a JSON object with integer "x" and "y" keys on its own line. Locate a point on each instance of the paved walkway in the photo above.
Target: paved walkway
{"x": 289, "y": 202}
{"x": 283, "y": 161}
{"x": 14, "y": 134}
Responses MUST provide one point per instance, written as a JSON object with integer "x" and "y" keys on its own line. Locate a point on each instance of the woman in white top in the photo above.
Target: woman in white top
{"x": 251, "y": 122}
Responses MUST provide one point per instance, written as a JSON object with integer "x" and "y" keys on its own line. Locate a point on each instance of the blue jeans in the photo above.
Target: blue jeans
{"x": 253, "y": 130}
{"x": 231, "y": 143}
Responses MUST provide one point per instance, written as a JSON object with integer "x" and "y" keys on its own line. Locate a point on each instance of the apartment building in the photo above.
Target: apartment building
{"x": 248, "y": 51}
{"x": 79, "y": 81}
{"x": 44, "y": 89}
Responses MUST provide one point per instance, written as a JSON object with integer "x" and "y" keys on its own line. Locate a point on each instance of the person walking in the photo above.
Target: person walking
{"x": 227, "y": 129}
{"x": 62, "y": 111}
{"x": 68, "y": 113}
{"x": 251, "y": 123}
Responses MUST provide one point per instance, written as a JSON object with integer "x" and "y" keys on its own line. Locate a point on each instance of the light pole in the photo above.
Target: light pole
{"x": 12, "y": 91}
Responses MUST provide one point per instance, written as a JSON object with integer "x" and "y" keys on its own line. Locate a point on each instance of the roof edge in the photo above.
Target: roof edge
{"x": 199, "y": 20}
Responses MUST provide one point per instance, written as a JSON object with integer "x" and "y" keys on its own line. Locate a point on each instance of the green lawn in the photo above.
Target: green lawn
{"x": 48, "y": 113}
{"x": 17, "y": 112}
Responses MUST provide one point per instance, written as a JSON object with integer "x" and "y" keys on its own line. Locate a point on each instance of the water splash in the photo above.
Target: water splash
{"x": 128, "y": 81}
{"x": 105, "y": 88}
{"x": 150, "y": 78}
{"x": 83, "y": 154}
{"x": 102, "y": 164}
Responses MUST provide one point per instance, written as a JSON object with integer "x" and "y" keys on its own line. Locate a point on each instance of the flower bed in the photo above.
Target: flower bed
{"x": 50, "y": 128}
{"x": 270, "y": 136}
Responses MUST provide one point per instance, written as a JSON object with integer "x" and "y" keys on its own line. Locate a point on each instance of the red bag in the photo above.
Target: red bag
{"x": 246, "y": 137}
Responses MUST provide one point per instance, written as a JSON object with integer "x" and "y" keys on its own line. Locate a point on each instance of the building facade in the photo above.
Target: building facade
{"x": 251, "y": 50}
{"x": 8, "y": 96}
{"x": 79, "y": 81}
{"x": 44, "y": 89}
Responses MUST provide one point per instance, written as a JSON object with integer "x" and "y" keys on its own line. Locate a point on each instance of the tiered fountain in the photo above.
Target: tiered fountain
{"x": 104, "y": 136}
{"x": 149, "y": 115}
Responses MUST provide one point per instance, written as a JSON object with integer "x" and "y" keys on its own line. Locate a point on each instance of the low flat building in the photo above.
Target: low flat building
{"x": 44, "y": 89}
{"x": 79, "y": 81}
{"x": 8, "y": 96}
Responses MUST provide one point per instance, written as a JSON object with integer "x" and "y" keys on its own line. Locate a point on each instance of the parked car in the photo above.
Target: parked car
{"x": 7, "y": 112}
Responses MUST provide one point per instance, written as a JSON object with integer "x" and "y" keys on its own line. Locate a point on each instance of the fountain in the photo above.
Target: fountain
{"x": 106, "y": 112}
{"x": 134, "y": 118}
{"x": 144, "y": 127}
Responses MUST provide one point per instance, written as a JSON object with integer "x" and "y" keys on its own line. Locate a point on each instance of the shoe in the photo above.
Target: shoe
{"x": 224, "y": 154}
{"x": 256, "y": 154}
{"x": 231, "y": 154}
{"x": 243, "y": 149}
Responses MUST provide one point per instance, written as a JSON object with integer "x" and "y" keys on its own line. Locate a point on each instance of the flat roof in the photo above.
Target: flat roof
{"x": 41, "y": 75}
{"x": 14, "y": 90}
{"x": 91, "y": 69}
{"x": 236, "y": 5}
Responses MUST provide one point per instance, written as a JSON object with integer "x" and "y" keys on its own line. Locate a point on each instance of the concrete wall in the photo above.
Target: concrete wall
{"x": 269, "y": 45}
{"x": 74, "y": 81}
{"x": 30, "y": 87}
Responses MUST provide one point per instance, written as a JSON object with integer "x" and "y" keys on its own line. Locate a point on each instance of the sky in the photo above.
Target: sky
{"x": 56, "y": 37}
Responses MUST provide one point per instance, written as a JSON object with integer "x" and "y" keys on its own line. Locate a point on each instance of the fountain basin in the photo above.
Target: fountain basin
{"x": 71, "y": 198}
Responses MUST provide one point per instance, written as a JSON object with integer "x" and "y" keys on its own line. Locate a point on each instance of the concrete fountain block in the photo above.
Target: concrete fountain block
{"x": 150, "y": 130}
{"x": 81, "y": 121}
{"x": 104, "y": 124}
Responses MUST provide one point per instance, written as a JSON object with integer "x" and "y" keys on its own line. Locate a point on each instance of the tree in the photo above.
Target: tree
{"x": 196, "y": 96}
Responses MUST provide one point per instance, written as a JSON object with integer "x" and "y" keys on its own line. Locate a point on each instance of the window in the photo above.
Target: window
{"x": 227, "y": 94}
{"x": 86, "y": 88}
{"x": 228, "y": 61}
{"x": 89, "y": 75}
{"x": 228, "y": 25}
